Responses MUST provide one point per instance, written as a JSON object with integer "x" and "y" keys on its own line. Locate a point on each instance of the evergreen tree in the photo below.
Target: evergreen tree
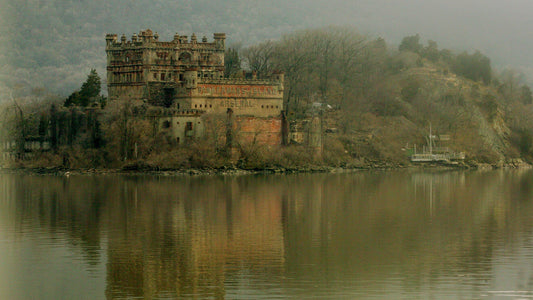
{"x": 54, "y": 141}
{"x": 475, "y": 66}
{"x": 232, "y": 63}
{"x": 88, "y": 94}
{"x": 411, "y": 43}
{"x": 431, "y": 52}
{"x": 90, "y": 89}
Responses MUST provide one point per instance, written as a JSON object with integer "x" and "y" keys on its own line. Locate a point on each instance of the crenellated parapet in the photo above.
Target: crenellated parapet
{"x": 148, "y": 38}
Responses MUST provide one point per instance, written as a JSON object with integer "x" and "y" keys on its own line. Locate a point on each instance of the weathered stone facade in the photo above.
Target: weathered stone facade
{"x": 186, "y": 78}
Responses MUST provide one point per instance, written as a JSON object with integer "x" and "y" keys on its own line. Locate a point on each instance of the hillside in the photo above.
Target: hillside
{"x": 385, "y": 99}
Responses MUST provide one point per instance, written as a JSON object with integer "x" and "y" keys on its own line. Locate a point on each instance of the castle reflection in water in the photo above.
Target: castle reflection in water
{"x": 282, "y": 235}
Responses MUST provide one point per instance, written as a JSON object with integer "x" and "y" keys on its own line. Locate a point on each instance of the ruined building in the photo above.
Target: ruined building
{"x": 182, "y": 82}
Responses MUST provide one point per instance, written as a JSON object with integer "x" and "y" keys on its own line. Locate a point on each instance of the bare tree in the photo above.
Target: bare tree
{"x": 258, "y": 58}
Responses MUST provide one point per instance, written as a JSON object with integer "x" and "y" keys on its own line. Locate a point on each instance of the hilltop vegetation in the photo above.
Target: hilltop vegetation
{"x": 376, "y": 102}
{"x": 384, "y": 98}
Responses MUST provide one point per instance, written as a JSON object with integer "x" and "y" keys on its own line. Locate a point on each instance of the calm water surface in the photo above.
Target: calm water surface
{"x": 369, "y": 235}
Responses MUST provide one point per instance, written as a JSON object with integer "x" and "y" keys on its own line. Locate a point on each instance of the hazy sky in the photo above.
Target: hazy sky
{"x": 501, "y": 29}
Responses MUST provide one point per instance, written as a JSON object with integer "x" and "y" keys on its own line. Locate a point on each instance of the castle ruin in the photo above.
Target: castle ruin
{"x": 183, "y": 83}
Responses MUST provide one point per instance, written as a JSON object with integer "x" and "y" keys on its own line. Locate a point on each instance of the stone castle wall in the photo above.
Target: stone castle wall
{"x": 185, "y": 75}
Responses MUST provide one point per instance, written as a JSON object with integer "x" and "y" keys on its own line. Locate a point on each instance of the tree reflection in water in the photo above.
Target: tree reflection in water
{"x": 336, "y": 235}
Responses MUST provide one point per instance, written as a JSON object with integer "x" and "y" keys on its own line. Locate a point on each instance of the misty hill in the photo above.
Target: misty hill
{"x": 54, "y": 44}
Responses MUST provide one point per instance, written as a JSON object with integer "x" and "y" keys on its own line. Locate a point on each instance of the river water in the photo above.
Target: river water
{"x": 366, "y": 235}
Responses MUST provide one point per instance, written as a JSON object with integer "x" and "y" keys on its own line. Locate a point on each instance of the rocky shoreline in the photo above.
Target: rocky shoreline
{"x": 134, "y": 169}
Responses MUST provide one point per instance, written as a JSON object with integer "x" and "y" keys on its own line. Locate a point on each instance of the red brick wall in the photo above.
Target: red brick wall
{"x": 265, "y": 131}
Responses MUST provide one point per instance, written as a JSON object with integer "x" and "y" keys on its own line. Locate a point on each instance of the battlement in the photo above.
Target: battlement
{"x": 147, "y": 37}
{"x": 239, "y": 81}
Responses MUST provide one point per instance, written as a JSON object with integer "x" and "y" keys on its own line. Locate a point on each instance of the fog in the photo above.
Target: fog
{"x": 54, "y": 44}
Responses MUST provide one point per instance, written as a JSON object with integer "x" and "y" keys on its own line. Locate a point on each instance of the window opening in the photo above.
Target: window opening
{"x": 168, "y": 97}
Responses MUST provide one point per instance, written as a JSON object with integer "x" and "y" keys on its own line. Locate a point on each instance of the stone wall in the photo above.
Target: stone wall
{"x": 182, "y": 128}
{"x": 244, "y": 98}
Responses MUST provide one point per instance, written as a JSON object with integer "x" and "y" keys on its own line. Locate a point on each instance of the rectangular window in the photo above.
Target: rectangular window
{"x": 188, "y": 126}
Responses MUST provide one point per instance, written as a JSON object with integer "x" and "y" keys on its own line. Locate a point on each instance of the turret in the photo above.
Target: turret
{"x": 220, "y": 39}
{"x": 147, "y": 35}
{"x": 280, "y": 78}
{"x": 110, "y": 39}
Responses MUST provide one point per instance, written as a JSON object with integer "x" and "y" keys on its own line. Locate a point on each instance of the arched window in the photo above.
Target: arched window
{"x": 185, "y": 57}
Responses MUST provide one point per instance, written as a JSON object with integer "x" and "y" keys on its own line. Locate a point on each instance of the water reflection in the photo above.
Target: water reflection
{"x": 363, "y": 235}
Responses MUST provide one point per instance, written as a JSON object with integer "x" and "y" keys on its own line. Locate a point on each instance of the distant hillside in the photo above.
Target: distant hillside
{"x": 54, "y": 43}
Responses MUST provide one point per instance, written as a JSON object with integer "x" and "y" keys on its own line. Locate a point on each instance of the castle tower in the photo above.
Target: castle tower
{"x": 220, "y": 40}
{"x": 136, "y": 69}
